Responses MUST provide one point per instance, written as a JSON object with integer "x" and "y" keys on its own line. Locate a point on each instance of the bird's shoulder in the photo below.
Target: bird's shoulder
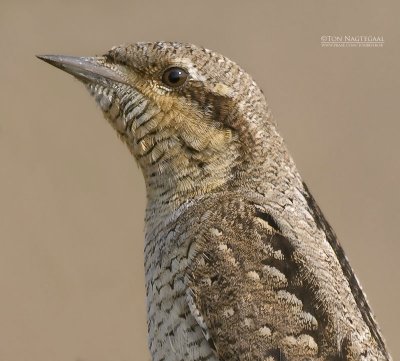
{"x": 255, "y": 292}
{"x": 244, "y": 287}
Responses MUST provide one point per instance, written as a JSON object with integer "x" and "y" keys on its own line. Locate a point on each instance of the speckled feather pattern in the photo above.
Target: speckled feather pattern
{"x": 240, "y": 263}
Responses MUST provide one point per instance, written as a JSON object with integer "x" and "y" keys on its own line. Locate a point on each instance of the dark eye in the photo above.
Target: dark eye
{"x": 174, "y": 77}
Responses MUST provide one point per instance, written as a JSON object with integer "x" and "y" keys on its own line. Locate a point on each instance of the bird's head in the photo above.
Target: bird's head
{"x": 189, "y": 116}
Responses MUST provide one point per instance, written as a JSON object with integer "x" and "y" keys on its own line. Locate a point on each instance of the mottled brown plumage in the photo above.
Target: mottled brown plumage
{"x": 240, "y": 262}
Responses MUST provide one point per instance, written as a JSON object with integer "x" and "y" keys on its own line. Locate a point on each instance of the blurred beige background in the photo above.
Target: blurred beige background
{"x": 72, "y": 199}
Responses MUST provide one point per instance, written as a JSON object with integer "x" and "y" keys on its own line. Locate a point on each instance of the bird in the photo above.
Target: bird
{"x": 240, "y": 262}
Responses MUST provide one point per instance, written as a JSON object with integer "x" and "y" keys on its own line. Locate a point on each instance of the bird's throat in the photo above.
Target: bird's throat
{"x": 182, "y": 174}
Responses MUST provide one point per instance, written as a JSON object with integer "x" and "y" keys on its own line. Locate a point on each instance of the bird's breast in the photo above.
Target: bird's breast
{"x": 173, "y": 332}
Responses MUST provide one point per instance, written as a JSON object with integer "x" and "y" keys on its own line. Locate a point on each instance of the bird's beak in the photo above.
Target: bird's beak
{"x": 87, "y": 69}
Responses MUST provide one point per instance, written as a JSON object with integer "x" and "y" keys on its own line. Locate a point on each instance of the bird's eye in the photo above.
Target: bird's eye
{"x": 174, "y": 77}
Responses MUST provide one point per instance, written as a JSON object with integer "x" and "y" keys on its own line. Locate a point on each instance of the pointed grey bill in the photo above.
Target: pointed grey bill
{"x": 87, "y": 69}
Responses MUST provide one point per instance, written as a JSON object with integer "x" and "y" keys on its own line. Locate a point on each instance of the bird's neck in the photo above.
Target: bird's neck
{"x": 259, "y": 162}
{"x": 183, "y": 177}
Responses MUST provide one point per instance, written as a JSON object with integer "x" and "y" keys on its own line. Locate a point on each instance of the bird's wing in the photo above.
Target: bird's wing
{"x": 246, "y": 292}
{"x": 253, "y": 295}
{"x": 355, "y": 287}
